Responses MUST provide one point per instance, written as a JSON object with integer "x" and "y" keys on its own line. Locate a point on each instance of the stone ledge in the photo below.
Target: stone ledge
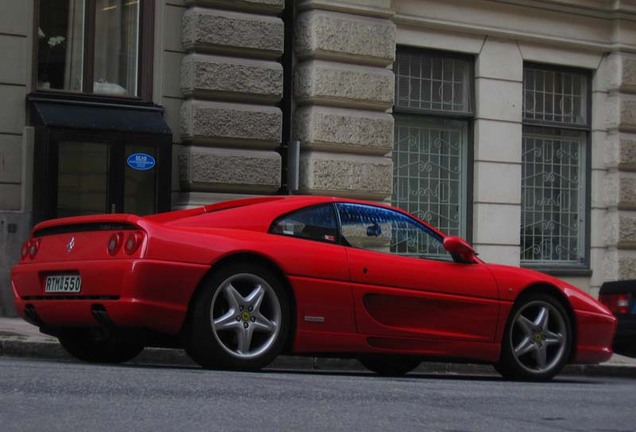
{"x": 347, "y": 38}
{"x": 272, "y": 7}
{"x": 238, "y": 125}
{"x": 335, "y": 84}
{"x": 233, "y": 33}
{"x": 343, "y": 130}
{"x": 229, "y": 170}
{"x": 365, "y": 177}
{"x": 374, "y": 8}
{"x": 206, "y": 76}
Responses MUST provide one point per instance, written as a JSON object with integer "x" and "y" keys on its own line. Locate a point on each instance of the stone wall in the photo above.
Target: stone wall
{"x": 343, "y": 86}
{"x": 15, "y": 140}
{"x": 620, "y": 160}
{"x": 232, "y": 82}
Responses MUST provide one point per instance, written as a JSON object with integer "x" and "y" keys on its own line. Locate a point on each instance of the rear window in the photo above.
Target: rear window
{"x": 313, "y": 223}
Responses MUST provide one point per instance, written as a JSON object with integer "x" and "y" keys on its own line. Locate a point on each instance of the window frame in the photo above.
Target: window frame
{"x": 583, "y": 268}
{"x": 145, "y": 55}
{"x": 466, "y": 231}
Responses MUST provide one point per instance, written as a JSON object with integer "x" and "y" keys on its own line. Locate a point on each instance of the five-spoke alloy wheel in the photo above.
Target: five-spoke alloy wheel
{"x": 537, "y": 341}
{"x": 241, "y": 321}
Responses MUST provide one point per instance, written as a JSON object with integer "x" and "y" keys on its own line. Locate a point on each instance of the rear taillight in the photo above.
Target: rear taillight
{"x": 30, "y": 248}
{"x": 129, "y": 242}
{"x": 133, "y": 241}
{"x": 33, "y": 247}
{"x": 25, "y": 249}
{"x": 618, "y": 304}
{"x": 114, "y": 243}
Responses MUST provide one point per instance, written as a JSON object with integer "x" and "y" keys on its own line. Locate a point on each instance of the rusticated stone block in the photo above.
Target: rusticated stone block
{"x": 620, "y": 264}
{"x": 337, "y": 84}
{"x": 353, "y": 39}
{"x": 343, "y": 130}
{"x": 231, "y": 124}
{"x": 231, "y": 78}
{"x": 620, "y": 229}
{"x": 627, "y": 231}
{"x": 627, "y": 193}
{"x": 229, "y": 170}
{"x": 628, "y": 72}
{"x": 265, "y": 6}
{"x": 621, "y": 112}
{"x": 368, "y": 177}
{"x": 628, "y": 113}
{"x": 207, "y": 30}
{"x": 621, "y": 152}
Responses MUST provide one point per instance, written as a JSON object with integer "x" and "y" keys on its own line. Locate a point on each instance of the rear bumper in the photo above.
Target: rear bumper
{"x": 133, "y": 293}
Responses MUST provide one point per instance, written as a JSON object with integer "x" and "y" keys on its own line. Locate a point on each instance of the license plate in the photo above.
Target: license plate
{"x": 63, "y": 284}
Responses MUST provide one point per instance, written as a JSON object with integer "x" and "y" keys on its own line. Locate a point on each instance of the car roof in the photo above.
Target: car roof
{"x": 256, "y": 214}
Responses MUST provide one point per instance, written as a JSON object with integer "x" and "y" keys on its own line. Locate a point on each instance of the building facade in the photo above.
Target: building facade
{"x": 511, "y": 123}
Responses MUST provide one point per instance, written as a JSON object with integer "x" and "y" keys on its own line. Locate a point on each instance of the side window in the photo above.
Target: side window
{"x": 314, "y": 223}
{"x": 384, "y": 230}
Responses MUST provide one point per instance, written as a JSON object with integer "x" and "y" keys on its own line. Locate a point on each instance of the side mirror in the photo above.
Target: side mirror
{"x": 458, "y": 247}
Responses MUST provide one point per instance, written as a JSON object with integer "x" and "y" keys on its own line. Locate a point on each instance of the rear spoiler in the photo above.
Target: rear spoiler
{"x": 223, "y": 205}
{"x": 99, "y": 222}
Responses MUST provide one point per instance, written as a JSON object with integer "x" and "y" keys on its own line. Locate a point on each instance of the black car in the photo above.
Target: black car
{"x": 620, "y": 298}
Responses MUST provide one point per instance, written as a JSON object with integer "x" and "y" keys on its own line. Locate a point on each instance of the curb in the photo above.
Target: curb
{"x": 52, "y": 350}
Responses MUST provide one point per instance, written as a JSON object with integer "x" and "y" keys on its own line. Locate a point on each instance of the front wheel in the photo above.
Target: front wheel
{"x": 537, "y": 341}
{"x": 97, "y": 346}
{"x": 240, "y": 321}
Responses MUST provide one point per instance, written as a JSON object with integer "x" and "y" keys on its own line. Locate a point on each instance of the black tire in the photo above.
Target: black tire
{"x": 537, "y": 341}
{"x": 240, "y": 320}
{"x": 390, "y": 365}
{"x": 95, "y": 346}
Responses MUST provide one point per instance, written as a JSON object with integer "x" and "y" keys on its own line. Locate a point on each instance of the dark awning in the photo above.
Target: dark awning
{"x": 142, "y": 119}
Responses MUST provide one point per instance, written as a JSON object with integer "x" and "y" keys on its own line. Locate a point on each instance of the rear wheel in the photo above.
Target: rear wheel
{"x": 389, "y": 365}
{"x": 96, "y": 346}
{"x": 240, "y": 321}
{"x": 537, "y": 340}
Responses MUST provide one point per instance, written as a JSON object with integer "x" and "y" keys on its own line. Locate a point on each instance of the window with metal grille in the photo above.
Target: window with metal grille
{"x": 555, "y": 158}
{"x": 433, "y": 112}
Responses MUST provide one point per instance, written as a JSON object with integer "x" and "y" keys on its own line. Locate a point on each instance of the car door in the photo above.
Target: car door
{"x": 405, "y": 285}
{"x": 318, "y": 270}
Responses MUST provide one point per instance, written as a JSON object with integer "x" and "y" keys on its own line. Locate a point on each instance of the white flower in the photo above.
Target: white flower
{"x": 56, "y": 40}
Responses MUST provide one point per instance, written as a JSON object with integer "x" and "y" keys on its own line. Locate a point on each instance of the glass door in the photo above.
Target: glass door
{"x": 83, "y": 178}
{"x": 105, "y": 178}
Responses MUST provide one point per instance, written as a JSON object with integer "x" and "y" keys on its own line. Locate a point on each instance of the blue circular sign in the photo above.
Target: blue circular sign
{"x": 141, "y": 161}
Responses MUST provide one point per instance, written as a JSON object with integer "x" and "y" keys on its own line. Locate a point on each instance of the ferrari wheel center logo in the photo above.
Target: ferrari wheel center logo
{"x": 245, "y": 315}
{"x": 538, "y": 337}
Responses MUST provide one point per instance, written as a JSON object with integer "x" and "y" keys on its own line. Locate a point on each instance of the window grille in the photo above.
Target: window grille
{"x": 430, "y": 82}
{"x": 432, "y": 113}
{"x": 555, "y": 97}
{"x": 429, "y": 174}
{"x": 554, "y": 160}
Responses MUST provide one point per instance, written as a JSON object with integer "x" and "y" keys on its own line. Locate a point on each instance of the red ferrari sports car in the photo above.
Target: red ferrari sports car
{"x": 237, "y": 283}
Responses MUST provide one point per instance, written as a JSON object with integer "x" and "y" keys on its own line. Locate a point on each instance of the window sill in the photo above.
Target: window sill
{"x": 561, "y": 271}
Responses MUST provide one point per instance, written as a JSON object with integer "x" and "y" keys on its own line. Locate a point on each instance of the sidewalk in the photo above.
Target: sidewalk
{"x": 21, "y": 339}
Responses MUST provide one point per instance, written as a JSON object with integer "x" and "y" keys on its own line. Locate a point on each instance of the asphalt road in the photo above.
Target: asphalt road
{"x": 38, "y": 395}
